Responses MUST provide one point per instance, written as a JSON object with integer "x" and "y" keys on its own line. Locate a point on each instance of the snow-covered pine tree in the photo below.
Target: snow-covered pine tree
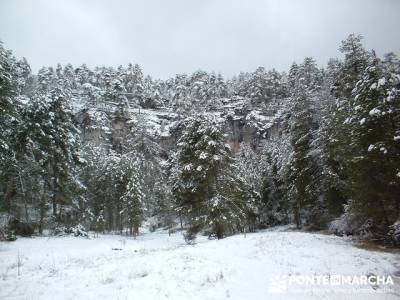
{"x": 68, "y": 77}
{"x": 256, "y": 89}
{"x": 302, "y": 172}
{"x": 134, "y": 83}
{"x": 199, "y": 90}
{"x": 374, "y": 126}
{"x": 250, "y": 168}
{"x": 50, "y": 126}
{"x": 8, "y": 107}
{"x": 274, "y": 208}
{"x": 203, "y": 181}
{"x": 342, "y": 77}
{"x": 221, "y": 90}
{"x": 180, "y": 101}
{"x": 93, "y": 176}
{"x": 10, "y": 122}
{"x": 356, "y": 59}
{"x": 132, "y": 200}
{"x": 148, "y": 153}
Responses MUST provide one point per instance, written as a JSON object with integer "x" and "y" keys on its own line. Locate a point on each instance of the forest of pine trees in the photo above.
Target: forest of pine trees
{"x": 333, "y": 164}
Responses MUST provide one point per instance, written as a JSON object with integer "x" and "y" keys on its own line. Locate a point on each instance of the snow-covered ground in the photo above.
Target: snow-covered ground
{"x": 159, "y": 266}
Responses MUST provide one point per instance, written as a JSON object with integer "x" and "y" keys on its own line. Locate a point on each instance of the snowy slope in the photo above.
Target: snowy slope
{"x": 158, "y": 266}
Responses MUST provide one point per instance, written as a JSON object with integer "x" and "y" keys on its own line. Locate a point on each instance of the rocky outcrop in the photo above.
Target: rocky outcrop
{"x": 108, "y": 127}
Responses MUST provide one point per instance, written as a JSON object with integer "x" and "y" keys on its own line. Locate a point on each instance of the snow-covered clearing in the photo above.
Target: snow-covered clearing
{"x": 159, "y": 266}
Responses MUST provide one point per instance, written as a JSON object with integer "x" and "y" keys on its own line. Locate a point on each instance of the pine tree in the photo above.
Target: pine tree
{"x": 181, "y": 96}
{"x": 8, "y": 107}
{"x": 49, "y": 125}
{"x": 148, "y": 153}
{"x": 257, "y": 89}
{"x": 274, "y": 209}
{"x": 203, "y": 180}
{"x": 250, "y": 171}
{"x": 9, "y": 123}
{"x": 342, "y": 77}
{"x": 199, "y": 90}
{"x": 93, "y": 176}
{"x": 355, "y": 61}
{"x": 132, "y": 200}
{"x": 303, "y": 166}
{"x": 133, "y": 82}
{"x": 374, "y": 127}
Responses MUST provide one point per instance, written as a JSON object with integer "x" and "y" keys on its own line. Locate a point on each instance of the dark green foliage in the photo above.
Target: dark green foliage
{"x": 362, "y": 151}
{"x": 303, "y": 173}
{"x": 374, "y": 167}
{"x": 275, "y": 209}
{"x": 21, "y": 228}
{"x": 342, "y": 78}
{"x": 54, "y": 143}
{"x": 204, "y": 185}
{"x": 114, "y": 195}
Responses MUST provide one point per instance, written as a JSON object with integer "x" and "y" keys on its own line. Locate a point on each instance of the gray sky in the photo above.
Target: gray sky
{"x": 167, "y": 37}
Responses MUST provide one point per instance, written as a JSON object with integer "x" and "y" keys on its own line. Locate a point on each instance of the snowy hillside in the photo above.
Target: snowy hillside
{"x": 159, "y": 266}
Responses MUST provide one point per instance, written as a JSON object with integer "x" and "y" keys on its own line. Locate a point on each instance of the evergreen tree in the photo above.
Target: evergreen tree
{"x": 274, "y": 208}
{"x": 49, "y": 124}
{"x": 342, "y": 77}
{"x": 250, "y": 171}
{"x": 9, "y": 123}
{"x": 374, "y": 127}
{"x": 257, "y": 87}
{"x": 148, "y": 152}
{"x": 203, "y": 180}
{"x": 180, "y": 99}
{"x": 8, "y": 105}
{"x": 303, "y": 169}
{"x": 132, "y": 201}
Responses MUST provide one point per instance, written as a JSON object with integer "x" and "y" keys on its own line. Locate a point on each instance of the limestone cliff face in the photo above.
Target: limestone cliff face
{"x": 111, "y": 129}
{"x": 253, "y": 127}
{"x": 94, "y": 125}
{"x": 121, "y": 131}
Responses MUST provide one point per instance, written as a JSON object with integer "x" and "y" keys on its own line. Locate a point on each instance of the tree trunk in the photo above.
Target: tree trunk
{"x": 24, "y": 197}
{"x": 54, "y": 198}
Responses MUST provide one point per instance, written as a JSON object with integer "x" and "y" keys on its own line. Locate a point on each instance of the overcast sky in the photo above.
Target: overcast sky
{"x": 167, "y": 37}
